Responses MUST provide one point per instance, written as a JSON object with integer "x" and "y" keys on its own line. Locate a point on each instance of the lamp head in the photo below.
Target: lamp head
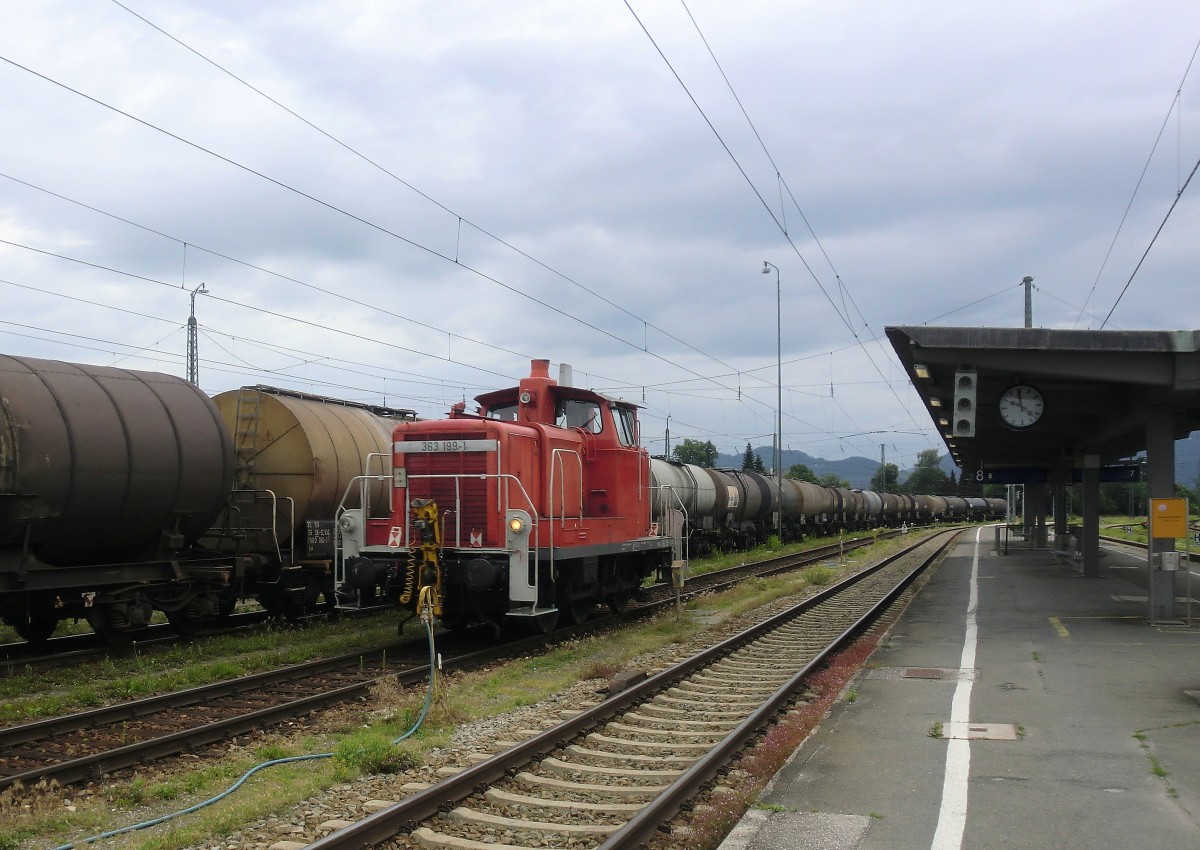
{"x": 765, "y": 269}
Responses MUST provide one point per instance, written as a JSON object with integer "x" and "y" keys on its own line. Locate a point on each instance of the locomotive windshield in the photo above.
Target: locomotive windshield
{"x": 578, "y": 413}
{"x": 505, "y": 412}
{"x": 626, "y": 425}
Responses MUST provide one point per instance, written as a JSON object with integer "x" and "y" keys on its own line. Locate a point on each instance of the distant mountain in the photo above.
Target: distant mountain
{"x": 860, "y": 470}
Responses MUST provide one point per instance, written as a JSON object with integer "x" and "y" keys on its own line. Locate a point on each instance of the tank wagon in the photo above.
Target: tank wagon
{"x": 126, "y": 492}
{"x": 295, "y": 456}
{"x": 735, "y": 509}
{"x": 535, "y": 508}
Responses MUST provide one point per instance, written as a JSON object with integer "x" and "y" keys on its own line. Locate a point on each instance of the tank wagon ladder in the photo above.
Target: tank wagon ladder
{"x": 246, "y": 495}
{"x": 245, "y": 436}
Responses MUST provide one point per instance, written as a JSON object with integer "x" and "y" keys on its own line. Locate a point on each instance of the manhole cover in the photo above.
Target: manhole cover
{"x": 924, "y": 673}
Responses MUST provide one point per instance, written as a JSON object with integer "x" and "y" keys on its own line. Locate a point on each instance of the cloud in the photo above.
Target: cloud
{"x": 553, "y": 192}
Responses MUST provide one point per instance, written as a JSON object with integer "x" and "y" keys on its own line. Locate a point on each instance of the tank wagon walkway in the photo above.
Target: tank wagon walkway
{"x": 1066, "y": 721}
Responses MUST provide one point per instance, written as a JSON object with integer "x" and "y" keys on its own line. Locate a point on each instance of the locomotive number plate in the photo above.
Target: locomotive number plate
{"x": 432, "y": 446}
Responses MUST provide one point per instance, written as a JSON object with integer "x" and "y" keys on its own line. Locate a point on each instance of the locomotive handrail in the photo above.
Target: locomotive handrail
{"x": 685, "y": 539}
{"x": 556, "y": 455}
{"x": 339, "y": 548}
{"x": 385, "y": 474}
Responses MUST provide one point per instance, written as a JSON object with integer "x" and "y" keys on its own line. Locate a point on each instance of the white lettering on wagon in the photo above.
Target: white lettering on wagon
{"x": 435, "y": 446}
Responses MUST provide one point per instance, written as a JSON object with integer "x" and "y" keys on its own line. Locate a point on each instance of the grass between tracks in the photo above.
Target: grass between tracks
{"x": 359, "y": 736}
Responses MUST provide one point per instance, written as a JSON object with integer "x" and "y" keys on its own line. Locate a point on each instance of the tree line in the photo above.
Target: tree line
{"x": 926, "y": 476}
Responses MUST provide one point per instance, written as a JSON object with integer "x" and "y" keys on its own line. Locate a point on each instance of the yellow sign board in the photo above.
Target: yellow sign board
{"x": 1168, "y": 518}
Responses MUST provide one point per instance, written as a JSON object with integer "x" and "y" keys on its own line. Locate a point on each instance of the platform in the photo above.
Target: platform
{"x": 1050, "y": 714}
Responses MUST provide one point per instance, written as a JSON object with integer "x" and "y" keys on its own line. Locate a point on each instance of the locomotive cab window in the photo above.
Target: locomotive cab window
{"x": 578, "y": 413}
{"x": 626, "y": 421}
{"x": 505, "y": 412}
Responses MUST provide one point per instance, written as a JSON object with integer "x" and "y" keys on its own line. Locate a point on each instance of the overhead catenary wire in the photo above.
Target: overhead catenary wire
{"x": 409, "y": 185}
{"x": 186, "y": 246}
{"x": 843, "y": 315}
{"x": 1153, "y": 239}
{"x": 386, "y": 231}
{"x": 1137, "y": 187}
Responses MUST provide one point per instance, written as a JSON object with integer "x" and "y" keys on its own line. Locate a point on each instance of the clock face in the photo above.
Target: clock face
{"x": 1021, "y": 406}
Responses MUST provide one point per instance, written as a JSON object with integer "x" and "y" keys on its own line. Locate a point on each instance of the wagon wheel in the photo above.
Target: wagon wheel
{"x": 103, "y": 619}
{"x": 36, "y": 629}
{"x": 183, "y": 622}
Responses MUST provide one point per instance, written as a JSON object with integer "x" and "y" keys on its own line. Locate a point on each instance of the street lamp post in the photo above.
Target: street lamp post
{"x": 778, "y": 447}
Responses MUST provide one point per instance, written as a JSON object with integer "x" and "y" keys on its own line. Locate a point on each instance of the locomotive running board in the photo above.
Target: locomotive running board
{"x": 529, "y": 611}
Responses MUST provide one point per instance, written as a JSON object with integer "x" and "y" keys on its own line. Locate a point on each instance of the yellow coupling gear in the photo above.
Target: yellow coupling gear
{"x": 426, "y": 555}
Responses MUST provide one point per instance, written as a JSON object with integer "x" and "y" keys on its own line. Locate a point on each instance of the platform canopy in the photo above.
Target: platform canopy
{"x": 1098, "y": 390}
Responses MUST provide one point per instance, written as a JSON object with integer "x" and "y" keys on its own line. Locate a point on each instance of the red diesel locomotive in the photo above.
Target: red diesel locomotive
{"x": 535, "y": 508}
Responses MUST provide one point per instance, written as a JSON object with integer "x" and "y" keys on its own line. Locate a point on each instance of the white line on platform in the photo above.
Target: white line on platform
{"x": 952, "y": 817}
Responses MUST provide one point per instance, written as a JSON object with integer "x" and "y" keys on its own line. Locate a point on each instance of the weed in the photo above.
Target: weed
{"x": 875, "y": 815}
{"x": 1156, "y": 768}
{"x": 371, "y": 751}
{"x": 818, "y": 576}
{"x": 852, "y": 696}
{"x": 935, "y": 731}
{"x": 130, "y": 794}
{"x": 271, "y": 752}
{"x": 599, "y": 670}
{"x": 1141, "y": 736}
{"x": 168, "y": 790}
{"x": 1036, "y": 656}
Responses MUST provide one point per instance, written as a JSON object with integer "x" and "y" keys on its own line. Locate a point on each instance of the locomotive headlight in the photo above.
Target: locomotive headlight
{"x": 516, "y": 524}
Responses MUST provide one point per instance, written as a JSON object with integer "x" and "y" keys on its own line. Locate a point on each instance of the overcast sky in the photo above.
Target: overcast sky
{"x": 441, "y": 191}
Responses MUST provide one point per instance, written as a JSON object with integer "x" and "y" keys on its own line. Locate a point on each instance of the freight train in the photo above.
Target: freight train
{"x": 123, "y": 493}
{"x": 541, "y": 504}
{"x": 126, "y": 492}
{"x": 731, "y": 509}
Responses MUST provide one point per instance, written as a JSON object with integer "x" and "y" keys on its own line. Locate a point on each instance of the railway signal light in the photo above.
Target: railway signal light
{"x": 965, "y": 384}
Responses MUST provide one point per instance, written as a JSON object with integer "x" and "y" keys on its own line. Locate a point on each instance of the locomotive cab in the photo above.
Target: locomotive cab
{"x": 533, "y": 508}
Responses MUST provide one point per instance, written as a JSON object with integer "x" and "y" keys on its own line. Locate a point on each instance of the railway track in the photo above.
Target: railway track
{"x": 72, "y": 650}
{"x": 89, "y": 745}
{"x": 614, "y": 774}
{"x": 22, "y": 657}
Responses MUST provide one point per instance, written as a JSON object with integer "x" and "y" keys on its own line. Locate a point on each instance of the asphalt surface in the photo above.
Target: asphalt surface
{"x": 1067, "y": 722}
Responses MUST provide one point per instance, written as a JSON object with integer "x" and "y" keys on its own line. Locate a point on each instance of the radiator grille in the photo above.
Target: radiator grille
{"x": 470, "y": 490}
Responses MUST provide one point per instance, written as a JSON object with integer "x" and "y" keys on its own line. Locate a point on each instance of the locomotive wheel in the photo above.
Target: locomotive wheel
{"x": 575, "y": 607}
{"x": 455, "y": 614}
{"x": 544, "y": 624}
{"x": 626, "y": 579}
{"x": 618, "y": 602}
